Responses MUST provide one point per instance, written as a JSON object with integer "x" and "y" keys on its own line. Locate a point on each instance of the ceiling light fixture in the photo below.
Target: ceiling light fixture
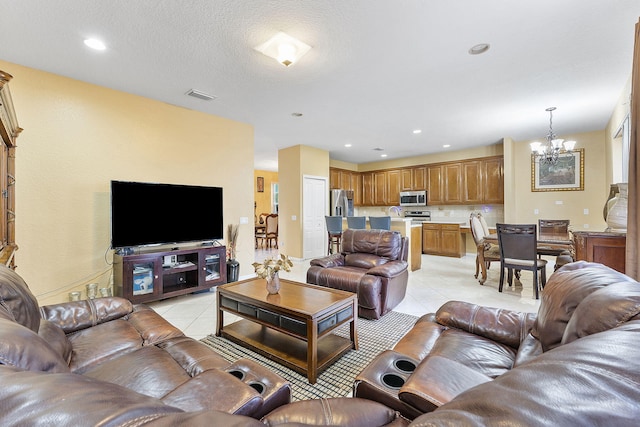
{"x": 283, "y": 48}
{"x": 95, "y": 44}
{"x": 549, "y": 152}
{"x": 479, "y": 48}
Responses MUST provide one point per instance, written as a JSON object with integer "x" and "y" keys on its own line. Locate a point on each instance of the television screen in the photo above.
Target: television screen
{"x": 146, "y": 213}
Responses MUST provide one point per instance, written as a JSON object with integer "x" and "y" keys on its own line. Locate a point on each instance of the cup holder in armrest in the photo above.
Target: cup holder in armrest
{"x": 393, "y": 381}
{"x": 405, "y": 365}
{"x": 257, "y": 386}
{"x": 237, "y": 373}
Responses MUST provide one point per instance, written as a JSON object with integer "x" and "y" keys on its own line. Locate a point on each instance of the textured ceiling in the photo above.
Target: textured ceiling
{"x": 376, "y": 71}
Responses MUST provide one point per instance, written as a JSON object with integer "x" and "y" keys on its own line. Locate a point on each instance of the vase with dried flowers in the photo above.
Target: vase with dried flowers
{"x": 269, "y": 268}
{"x": 233, "y": 266}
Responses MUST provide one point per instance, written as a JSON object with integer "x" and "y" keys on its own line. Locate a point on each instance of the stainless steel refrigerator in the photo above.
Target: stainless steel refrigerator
{"x": 341, "y": 203}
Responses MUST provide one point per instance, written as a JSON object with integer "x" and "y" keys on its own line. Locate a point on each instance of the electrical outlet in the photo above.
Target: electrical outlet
{"x": 559, "y": 202}
{"x": 244, "y": 220}
{"x": 585, "y": 225}
{"x": 585, "y": 211}
{"x": 536, "y": 211}
{"x": 293, "y": 217}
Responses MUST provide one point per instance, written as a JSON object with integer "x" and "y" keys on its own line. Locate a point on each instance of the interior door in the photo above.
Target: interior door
{"x": 315, "y": 202}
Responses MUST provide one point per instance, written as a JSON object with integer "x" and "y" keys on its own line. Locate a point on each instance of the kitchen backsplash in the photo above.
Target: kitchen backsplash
{"x": 491, "y": 213}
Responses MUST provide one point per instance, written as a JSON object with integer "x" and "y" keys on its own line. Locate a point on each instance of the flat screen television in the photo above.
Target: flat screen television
{"x": 147, "y": 214}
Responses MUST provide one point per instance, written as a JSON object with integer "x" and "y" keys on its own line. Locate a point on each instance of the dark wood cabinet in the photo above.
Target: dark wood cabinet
{"x": 151, "y": 276}
{"x": 9, "y": 131}
{"x": 601, "y": 247}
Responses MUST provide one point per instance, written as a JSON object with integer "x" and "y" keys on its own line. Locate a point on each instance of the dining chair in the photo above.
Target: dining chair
{"x": 269, "y": 235}
{"x": 380, "y": 222}
{"x": 334, "y": 233}
{"x": 486, "y": 253}
{"x": 553, "y": 227}
{"x": 356, "y": 222}
{"x": 518, "y": 251}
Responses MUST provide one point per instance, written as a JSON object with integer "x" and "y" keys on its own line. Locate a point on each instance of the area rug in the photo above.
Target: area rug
{"x": 374, "y": 336}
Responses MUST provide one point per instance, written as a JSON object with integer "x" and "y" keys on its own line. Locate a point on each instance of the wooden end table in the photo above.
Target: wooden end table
{"x": 292, "y": 327}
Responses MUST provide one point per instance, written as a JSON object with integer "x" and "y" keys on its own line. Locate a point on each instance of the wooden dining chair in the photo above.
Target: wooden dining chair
{"x": 356, "y": 222}
{"x": 269, "y": 235}
{"x": 518, "y": 251}
{"x": 486, "y": 253}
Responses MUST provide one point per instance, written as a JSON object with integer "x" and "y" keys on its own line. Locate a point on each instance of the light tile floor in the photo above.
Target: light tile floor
{"x": 440, "y": 279}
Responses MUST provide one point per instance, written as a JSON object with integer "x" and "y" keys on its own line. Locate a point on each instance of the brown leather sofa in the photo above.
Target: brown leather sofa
{"x": 574, "y": 363}
{"x": 373, "y": 264}
{"x": 105, "y": 359}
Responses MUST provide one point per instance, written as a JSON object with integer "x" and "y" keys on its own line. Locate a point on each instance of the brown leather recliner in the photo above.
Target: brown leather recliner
{"x": 373, "y": 264}
{"x": 110, "y": 347}
{"x": 497, "y": 353}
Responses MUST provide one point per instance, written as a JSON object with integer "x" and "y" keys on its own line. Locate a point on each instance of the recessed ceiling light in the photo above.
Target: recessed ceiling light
{"x": 296, "y": 114}
{"x": 479, "y": 48}
{"x": 446, "y": 146}
{"x": 347, "y": 145}
{"x": 417, "y": 131}
{"x": 95, "y": 44}
{"x": 383, "y": 155}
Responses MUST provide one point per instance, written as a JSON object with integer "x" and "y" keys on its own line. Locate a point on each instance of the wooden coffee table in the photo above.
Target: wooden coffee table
{"x": 292, "y": 327}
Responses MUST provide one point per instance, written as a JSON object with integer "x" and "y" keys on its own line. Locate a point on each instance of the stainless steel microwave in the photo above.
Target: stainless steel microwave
{"x": 413, "y": 198}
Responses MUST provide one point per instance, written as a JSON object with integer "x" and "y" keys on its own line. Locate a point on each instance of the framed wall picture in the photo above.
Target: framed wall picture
{"x": 260, "y": 184}
{"x": 566, "y": 175}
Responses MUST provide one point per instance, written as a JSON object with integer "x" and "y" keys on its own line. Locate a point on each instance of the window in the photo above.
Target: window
{"x": 274, "y": 197}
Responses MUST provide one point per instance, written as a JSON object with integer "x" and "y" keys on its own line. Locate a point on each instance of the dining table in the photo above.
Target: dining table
{"x": 550, "y": 243}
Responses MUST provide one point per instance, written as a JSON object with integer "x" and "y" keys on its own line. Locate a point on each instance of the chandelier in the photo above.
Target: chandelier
{"x": 550, "y": 152}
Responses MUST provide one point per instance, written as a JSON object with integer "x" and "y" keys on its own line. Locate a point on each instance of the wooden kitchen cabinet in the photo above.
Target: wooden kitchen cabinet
{"x": 443, "y": 239}
{"x": 601, "y": 247}
{"x": 434, "y": 187}
{"x": 334, "y": 179}
{"x": 419, "y": 178}
{"x": 452, "y": 183}
{"x": 406, "y": 179}
{"x": 493, "y": 180}
{"x": 367, "y": 189}
{"x": 380, "y": 188}
{"x": 394, "y": 186}
{"x": 356, "y": 186}
{"x": 472, "y": 182}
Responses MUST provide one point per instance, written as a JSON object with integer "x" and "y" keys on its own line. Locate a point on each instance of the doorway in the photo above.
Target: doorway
{"x": 314, "y": 206}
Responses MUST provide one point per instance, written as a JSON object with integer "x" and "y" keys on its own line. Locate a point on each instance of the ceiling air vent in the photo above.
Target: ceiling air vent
{"x": 200, "y": 95}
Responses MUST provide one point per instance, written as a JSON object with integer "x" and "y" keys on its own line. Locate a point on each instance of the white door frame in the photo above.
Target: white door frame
{"x": 325, "y": 204}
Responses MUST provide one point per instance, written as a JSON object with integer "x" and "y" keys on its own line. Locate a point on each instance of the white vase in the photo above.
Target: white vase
{"x": 617, "y": 213}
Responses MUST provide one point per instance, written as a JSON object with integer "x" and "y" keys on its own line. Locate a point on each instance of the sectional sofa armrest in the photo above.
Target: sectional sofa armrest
{"x": 390, "y": 269}
{"x": 503, "y": 326}
{"x": 335, "y": 260}
{"x": 436, "y": 381}
{"x": 76, "y": 315}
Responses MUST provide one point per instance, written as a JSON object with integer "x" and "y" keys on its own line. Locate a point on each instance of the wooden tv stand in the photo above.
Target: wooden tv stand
{"x": 145, "y": 276}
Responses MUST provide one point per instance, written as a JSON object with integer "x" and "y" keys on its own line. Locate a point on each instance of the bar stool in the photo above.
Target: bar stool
{"x": 334, "y": 232}
{"x": 380, "y": 222}
{"x": 356, "y": 222}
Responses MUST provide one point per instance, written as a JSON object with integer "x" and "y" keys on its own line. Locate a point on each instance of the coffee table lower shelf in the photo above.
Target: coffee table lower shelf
{"x": 287, "y": 350}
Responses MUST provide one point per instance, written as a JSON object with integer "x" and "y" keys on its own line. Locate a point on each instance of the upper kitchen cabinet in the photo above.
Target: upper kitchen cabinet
{"x": 419, "y": 178}
{"x": 394, "y": 186}
{"x": 493, "y": 180}
{"x": 367, "y": 189}
{"x": 472, "y": 182}
{"x": 380, "y": 188}
{"x": 453, "y": 183}
{"x": 406, "y": 179}
{"x": 435, "y": 184}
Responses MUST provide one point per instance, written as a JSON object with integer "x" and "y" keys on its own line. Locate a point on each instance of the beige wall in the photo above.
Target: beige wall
{"x": 521, "y": 202}
{"x": 77, "y": 138}
{"x": 295, "y": 163}
{"x": 263, "y": 200}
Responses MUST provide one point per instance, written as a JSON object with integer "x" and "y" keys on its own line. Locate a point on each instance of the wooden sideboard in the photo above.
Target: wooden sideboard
{"x": 602, "y": 247}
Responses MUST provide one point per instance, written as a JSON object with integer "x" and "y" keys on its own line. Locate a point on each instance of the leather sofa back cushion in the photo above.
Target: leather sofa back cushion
{"x": 382, "y": 243}
{"x": 565, "y": 290}
{"x": 604, "y": 309}
{"x": 18, "y": 300}
{"x": 56, "y": 339}
{"x": 77, "y": 315}
{"x": 22, "y": 348}
{"x": 366, "y": 261}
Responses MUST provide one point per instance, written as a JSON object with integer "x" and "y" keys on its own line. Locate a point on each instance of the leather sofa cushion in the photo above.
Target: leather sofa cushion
{"x": 564, "y": 291}
{"x": 352, "y": 412}
{"x": 56, "y": 338}
{"x": 387, "y": 244}
{"x": 363, "y": 260}
{"x": 17, "y": 300}
{"x": 22, "y": 348}
{"x": 436, "y": 381}
{"x": 604, "y": 309}
{"x": 78, "y": 315}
